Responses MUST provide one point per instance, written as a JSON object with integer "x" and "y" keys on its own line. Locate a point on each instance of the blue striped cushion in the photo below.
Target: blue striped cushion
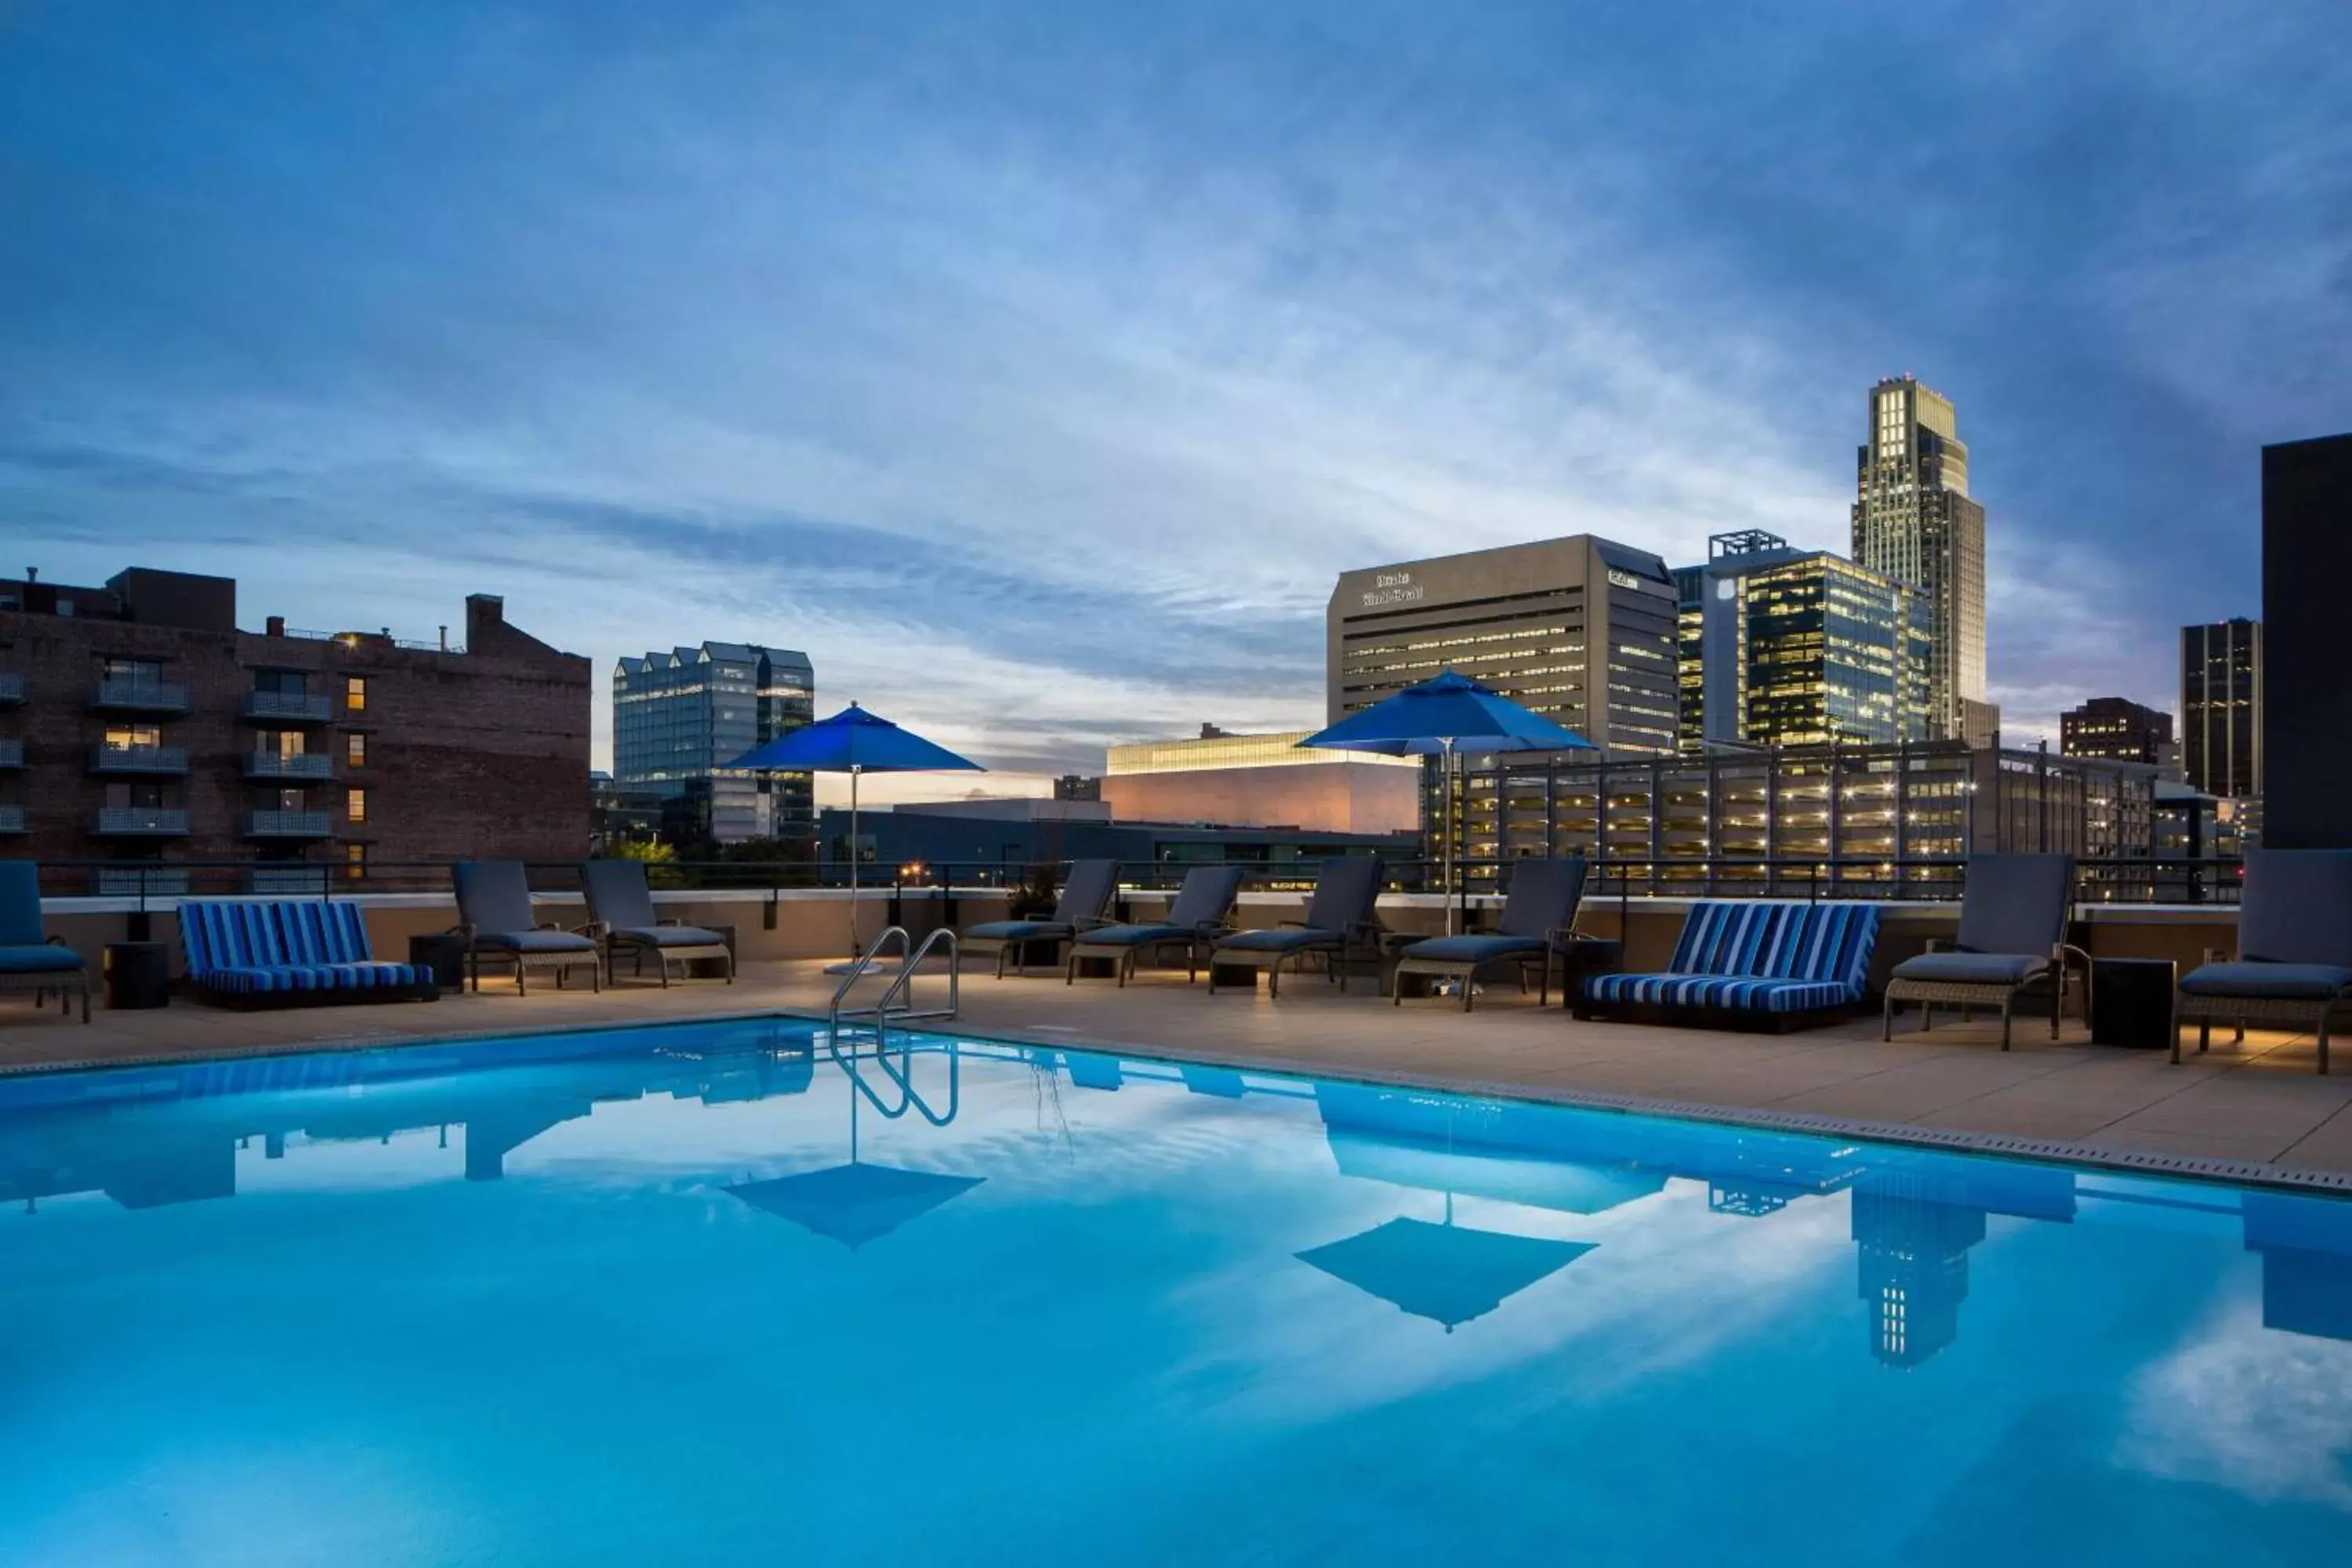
{"x": 1744, "y": 994}
{"x": 1760, "y": 956}
{"x": 245, "y": 946}
{"x": 246, "y": 981}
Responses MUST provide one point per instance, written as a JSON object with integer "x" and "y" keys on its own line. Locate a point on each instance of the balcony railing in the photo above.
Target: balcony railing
{"x": 162, "y": 882}
{"x": 289, "y": 706}
{"x": 279, "y": 766}
{"x": 303, "y": 880}
{"x": 12, "y": 688}
{"x": 12, "y": 753}
{"x": 289, "y": 824}
{"x": 139, "y": 822}
{"x": 137, "y": 694}
{"x": 12, "y": 819}
{"x": 110, "y": 759}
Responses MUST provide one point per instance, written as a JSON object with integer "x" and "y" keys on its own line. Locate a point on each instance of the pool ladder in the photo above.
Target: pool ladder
{"x": 896, "y": 1002}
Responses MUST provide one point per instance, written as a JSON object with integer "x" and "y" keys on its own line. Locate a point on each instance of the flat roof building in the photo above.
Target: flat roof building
{"x": 1262, "y": 781}
{"x": 680, "y": 717}
{"x": 2116, "y": 729}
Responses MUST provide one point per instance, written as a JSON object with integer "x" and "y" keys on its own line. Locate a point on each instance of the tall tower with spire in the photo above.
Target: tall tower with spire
{"x": 1914, "y": 522}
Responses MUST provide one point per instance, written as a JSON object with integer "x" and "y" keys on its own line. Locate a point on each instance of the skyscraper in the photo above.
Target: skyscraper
{"x": 1912, "y": 521}
{"x": 680, "y": 717}
{"x": 2221, "y": 707}
{"x": 2116, "y": 730}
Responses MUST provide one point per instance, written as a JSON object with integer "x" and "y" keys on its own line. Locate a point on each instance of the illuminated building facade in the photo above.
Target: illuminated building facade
{"x": 1914, "y": 523}
{"x": 1262, "y": 781}
{"x": 2116, "y": 729}
{"x": 2221, "y": 707}
{"x": 680, "y": 717}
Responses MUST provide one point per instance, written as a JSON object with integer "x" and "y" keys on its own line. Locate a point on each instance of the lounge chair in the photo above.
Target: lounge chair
{"x": 1200, "y": 913}
{"x": 2294, "y": 949}
{"x": 494, "y": 916}
{"x": 2012, "y": 938}
{"x": 1770, "y": 961}
{"x": 1087, "y": 892}
{"x": 30, "y": 959}
{"x": 621, "y": 911}
{"x": 1338, "y": 923}
{"x": 1537, "y": 916}
{"x": 246, "y": 952}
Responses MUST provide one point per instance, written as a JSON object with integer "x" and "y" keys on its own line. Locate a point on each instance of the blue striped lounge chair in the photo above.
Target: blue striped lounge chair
{"x": 1778, "y": 964}
{"x": 30, "y": 959}
{"x": 1087, "y": 893}
{"x": 621, "y": 909}
{"x": 1201, "y": 912}
{"x": 494, "y": 916}
{"x": 1537, "y": 918}
{"x": 259, "y": 953}
{"x": 1339, "y": 922}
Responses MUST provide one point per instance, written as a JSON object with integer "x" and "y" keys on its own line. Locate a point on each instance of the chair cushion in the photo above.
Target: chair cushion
{"x": 671, "y": 936}
{"x": 253, "y": 980}
{"x": 2285, "y": 982}
{"x": 46, "y": 959}
{"x": 1017, "y": 930}
{"x": 1473, "y": 949}
{"x": 1132, "y": 936}
{"x": 1278, "y": 940}
{"x": 536, "y": 940}
{"x": 1971, "y": 968}
{"x": 1747, "y": 993}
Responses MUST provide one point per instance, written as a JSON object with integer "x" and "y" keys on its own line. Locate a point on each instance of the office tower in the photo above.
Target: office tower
{"x": 2221, "y": 707}
{"x": 1796, "y": 648}
{"x": 1912, "y": 521}
{"x": 140, "y": 727}
{"x": 2304, "y": 724}
{"x": 1579, "y": 629}
{"x": 680, "y": 716}
{"x": 2116, "y": 730}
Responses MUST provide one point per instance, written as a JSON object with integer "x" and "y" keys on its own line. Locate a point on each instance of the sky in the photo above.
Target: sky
{"x": 1036, "y": 368}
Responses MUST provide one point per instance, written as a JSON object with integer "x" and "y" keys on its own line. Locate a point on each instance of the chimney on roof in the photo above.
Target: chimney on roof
{"x": 486, "y": 617}
{"x": 32, "y": 573}
{"x": 274, "y": 626}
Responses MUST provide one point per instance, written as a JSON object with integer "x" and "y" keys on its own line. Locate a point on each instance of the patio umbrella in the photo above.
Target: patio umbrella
{"x": 1440, "y": 717}
{"x": 852, "y": 742}
{"x": 1446, "y": 1273}
{"x": 856, "y": 1202}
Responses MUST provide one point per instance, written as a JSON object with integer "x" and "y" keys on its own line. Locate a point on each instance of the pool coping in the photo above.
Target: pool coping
{"x": 2180, "y": 1167}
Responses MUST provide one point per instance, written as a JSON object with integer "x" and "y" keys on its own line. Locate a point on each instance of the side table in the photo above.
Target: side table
{"x": 442, "y": 952}
{"x": 138, "y": 975}
{"x": 2131, "y": 1002}
{"x": 1583, "y": 957}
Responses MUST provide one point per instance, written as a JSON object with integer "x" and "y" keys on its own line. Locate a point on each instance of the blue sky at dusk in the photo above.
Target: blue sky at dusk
{"x": 1037, "y": 367}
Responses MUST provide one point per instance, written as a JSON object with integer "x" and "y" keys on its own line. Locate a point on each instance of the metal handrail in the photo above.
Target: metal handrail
{"x": 911, "y": 957}
{"x": 861, "y": 964}
{"x": 903, "y": 986}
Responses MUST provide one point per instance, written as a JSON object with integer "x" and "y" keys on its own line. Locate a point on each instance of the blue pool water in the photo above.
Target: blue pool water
{"x": 714, "y": 1294}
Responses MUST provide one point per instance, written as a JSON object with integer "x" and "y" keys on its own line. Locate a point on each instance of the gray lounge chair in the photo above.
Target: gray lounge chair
{"x": 494, "y": 916}
{"x": 1537, "y": 918}
{"x": 621, "y": 911}
{"x": 1200, "y": 913}
{"x": 30, "y": 959}
{"x": 1338, "y": 923}
{"x": 2012, "y": 938}
{"x": 1087, "y": 892}
{"x": 2294, "y": 949}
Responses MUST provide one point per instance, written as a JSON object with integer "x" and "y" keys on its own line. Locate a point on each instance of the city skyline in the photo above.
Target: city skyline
{"x": 1040, "y": 388}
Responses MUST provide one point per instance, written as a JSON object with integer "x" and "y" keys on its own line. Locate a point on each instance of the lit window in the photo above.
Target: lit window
{"x": 355, "y": 693}
{"x": 355, "y": 805}
{"x": 356, "y": 749}
{"x": 355, "y": 862}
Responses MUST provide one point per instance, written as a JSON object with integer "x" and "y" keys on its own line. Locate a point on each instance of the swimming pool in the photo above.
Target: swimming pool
{"x": 723, "y": 1294}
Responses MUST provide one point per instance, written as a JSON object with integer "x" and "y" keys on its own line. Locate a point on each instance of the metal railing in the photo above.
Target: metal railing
{"x": 312, "y": 765}
{"x": 911, "y": 956}
{"x": 293, "y": 707}
{"x": 12, "y": 688}
{"x": 137, "y": 694}
{"x": 358, "y": 639}
{"x": 112, "y": 759}
{"x": 282, "y": 823}
{"x": 12, "y": 819}
{"x": 131, "y": 821}
{"x": 12, "y": 753}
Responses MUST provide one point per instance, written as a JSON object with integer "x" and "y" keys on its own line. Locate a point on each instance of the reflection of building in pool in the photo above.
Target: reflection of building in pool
{"x": 1914, "y": 1219}
{"x": 2306, "y": 1248}
{"x": 183, "y": 1147}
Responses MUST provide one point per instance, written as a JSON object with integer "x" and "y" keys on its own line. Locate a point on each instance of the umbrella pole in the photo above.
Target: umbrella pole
{"x": 1451, "y": 822}
{"x": 853, "y": 859}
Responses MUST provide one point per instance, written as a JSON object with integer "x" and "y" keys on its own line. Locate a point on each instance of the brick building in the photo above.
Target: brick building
{"x": 138, "y": 726}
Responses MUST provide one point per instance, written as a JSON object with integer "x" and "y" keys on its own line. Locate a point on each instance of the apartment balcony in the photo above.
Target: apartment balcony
{"x": 12, "y": 819}
{"x": 273, "y": 766}
{"x": 287, "y": 708}
{"x": 298, "y": 879}
{"x": 162, "y": 882}
{"x": 130, "y": 694}
{"x": 149, "y": 761}
{"x": 139, "y": 822}
{"x": 288, "y": 825}
{"x": 12, "y": 688}
{"x": 12, "y": 754}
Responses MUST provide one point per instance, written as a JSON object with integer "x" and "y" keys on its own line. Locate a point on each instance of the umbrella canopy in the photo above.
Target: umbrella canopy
{"x": 1446, "y": 1273}
{"x": 853, "y": 740}
{"x": 1450, "y": 712}
{"x": 856, "y": 1203}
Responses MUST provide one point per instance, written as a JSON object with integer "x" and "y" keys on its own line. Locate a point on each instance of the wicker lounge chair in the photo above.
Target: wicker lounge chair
{"x": 248, "y": 953}
{"x": 2012, "y": 938}
{"x": 30, "y": 959}
{"x": 1777, "y": 963}
{"x": 621, "y": 911}
{"x": 2295, "y": 950}
{"x": 1087, "y": 892}
{"x": 1338, "y": 923}
{"x": 495, "y": 918}
{"x": 1537, "y": 916}
{"x": 1200, "y": 913}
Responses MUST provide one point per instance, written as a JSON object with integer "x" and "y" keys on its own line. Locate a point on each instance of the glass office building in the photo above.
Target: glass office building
{"x": 1914, "y": 523}
{"x": 680, "y": 717}
{"x": 2221, "y": 707}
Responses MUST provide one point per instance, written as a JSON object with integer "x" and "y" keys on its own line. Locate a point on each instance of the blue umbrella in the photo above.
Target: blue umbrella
{"x": 1445, "y": 1273}
{"x": 852, "y": 742}
{"x": 1440, "y": 717}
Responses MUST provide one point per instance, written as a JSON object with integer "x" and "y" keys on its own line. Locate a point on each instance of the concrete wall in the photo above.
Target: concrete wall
{"x": 2306, "y": 701}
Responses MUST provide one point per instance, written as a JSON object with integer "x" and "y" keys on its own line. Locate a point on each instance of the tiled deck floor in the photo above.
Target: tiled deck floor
{"x": 2260, "y": 1102}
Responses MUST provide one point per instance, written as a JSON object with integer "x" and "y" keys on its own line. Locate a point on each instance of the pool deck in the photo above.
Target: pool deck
{"x": 2256, "y": 1112}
